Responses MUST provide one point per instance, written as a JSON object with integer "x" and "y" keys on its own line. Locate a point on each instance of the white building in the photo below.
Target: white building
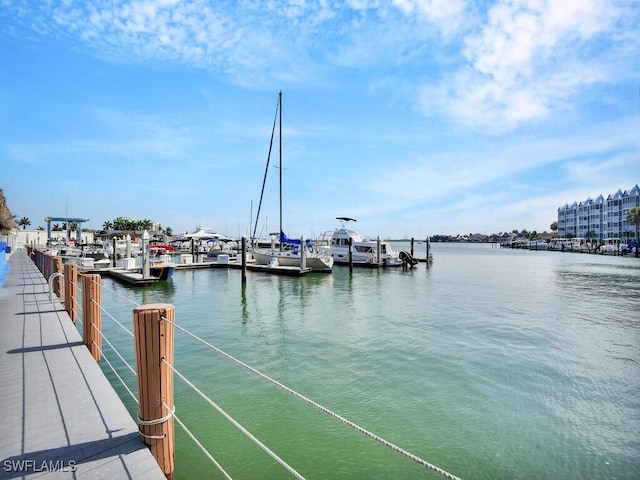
{"x": 605, "y": 218}
{"x": 18, "y": 238}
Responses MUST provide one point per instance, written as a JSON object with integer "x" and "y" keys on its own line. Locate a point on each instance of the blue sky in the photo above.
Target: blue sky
{"x": 415, "y": 117}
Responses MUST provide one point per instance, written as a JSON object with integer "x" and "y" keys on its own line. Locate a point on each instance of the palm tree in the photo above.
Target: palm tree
{"x": 24, "y": 222}
{"x": 633, "y": 217}
{"x": 145, "y": 224}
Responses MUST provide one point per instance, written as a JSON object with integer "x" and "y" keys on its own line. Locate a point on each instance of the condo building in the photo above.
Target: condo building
{"x": 606, "y": 218}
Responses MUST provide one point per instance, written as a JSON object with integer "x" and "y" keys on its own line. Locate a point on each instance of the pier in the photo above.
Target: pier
{"x": 61, "y": 417}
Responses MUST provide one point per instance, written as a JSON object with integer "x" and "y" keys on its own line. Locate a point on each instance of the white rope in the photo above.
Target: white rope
{"x": 112, "y": 318}
{"x": 235, "y": 423}
{"x": 120, "y": 295}
{"x": 116, "y": 351}
{"x": 325, "y": 410}
{"x": 116, "y": 373}
{"x": 197, "y": 442}
{"x": 157, "y": 421}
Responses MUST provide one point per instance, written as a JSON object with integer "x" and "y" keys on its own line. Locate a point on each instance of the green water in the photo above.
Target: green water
{"x": 490, "y": 364}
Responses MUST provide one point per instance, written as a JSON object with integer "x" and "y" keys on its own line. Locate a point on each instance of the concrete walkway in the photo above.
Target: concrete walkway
{"x": 60, "y": 417}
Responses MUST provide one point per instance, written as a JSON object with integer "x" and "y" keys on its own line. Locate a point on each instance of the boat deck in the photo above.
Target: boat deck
{"x": 61, "y": 418}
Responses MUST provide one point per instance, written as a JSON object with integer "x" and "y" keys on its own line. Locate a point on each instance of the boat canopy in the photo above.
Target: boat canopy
{"x": 293, "y": 241}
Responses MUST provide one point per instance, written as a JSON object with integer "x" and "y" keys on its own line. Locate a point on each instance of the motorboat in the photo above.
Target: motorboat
{"x": 538, "y": 245}
{"x": 364, "y": 250}
{"x": 203, "y": 240}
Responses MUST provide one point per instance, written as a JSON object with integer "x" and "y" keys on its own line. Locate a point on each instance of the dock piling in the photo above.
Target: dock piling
{"x": 244, "y": 260}
{"x": 91, "y": 314}
{"x": 154, "y": 333}
{"x": 71, "y": 291}
{"x": 57, "y": 268}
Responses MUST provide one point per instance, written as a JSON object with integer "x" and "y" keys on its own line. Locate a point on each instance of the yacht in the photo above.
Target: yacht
{"x": 365, "y": 251}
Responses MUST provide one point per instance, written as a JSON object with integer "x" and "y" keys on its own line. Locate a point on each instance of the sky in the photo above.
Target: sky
{"x": 414, "y": 117}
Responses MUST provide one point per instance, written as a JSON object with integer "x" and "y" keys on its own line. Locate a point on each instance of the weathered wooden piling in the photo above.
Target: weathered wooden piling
{"x": 153, "y": 333}
{"x": 71, "y": 291}
{"x": 57, "y": 268}
{"x": 91, "y": 314}
{"x": 244, "y": 260}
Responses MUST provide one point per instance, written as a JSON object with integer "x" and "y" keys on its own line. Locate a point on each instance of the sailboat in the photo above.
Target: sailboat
{"x": 287, "y": 251}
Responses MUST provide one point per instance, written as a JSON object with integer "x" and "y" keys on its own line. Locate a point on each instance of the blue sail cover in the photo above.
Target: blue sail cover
{"x": 293, "y": 241}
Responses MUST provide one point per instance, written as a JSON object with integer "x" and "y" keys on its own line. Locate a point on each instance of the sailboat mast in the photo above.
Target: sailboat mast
{"x": 280, "y": 142}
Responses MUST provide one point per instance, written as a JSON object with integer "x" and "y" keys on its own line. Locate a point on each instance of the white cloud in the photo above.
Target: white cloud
{"x": 526, "y": 60}
{"x": 447, "y": 15}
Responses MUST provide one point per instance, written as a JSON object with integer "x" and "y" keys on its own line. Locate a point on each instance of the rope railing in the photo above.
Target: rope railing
{"x": 199, "y": 444}
{"x": 115, "y": 372}
{"x": 235, "y": 423}
{"x": 323, "y": 409}
{"x": 95, "y": 344}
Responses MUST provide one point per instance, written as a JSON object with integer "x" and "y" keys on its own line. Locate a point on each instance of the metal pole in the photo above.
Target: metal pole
{"x": 280, "y": 141}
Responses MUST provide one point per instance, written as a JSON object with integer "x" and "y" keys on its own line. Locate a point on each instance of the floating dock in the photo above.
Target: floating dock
{"x": 133, "y": 277}
{"x": 130, "y": 277}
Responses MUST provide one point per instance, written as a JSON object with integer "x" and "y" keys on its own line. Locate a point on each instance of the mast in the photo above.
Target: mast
{"x": 280, "y": 143}
{"x": 264, "y": 180}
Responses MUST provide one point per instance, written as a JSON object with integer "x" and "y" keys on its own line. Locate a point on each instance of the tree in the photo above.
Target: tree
{"x": 145, "y": 224}
{"x": 633, "y": 217}
{"x": 24, "y": 222}
{"x": 554, "y": 226}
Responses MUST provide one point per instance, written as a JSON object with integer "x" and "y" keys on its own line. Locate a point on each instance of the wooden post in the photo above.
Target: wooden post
{"x": 244, "y": 260}
{"x": 154, "y": 346}
{"x": 46, "y": 266}
{"x": 57, "y": 268}
{"x": 428, "y": 242}
{"x": 350, "y": 254}
{"x": 114, "y": 242}
{"x": 91, "y": 314}
{"x": 411, "y": 247}
{"x": 71, "y": 291}
{"x": 303, "y": 254}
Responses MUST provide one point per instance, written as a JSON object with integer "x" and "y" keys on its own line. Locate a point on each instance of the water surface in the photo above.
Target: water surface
{"x": 491, "y": 363}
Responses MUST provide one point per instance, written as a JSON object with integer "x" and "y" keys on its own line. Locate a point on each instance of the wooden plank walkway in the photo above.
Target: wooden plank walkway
{"x": 61, "y": 419}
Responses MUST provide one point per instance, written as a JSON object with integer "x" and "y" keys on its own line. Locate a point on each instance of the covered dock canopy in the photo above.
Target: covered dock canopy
{"x": 68, "y": 221}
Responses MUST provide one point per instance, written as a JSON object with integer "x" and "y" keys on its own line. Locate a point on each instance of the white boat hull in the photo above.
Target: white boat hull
{"x": 316, "y": 262}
